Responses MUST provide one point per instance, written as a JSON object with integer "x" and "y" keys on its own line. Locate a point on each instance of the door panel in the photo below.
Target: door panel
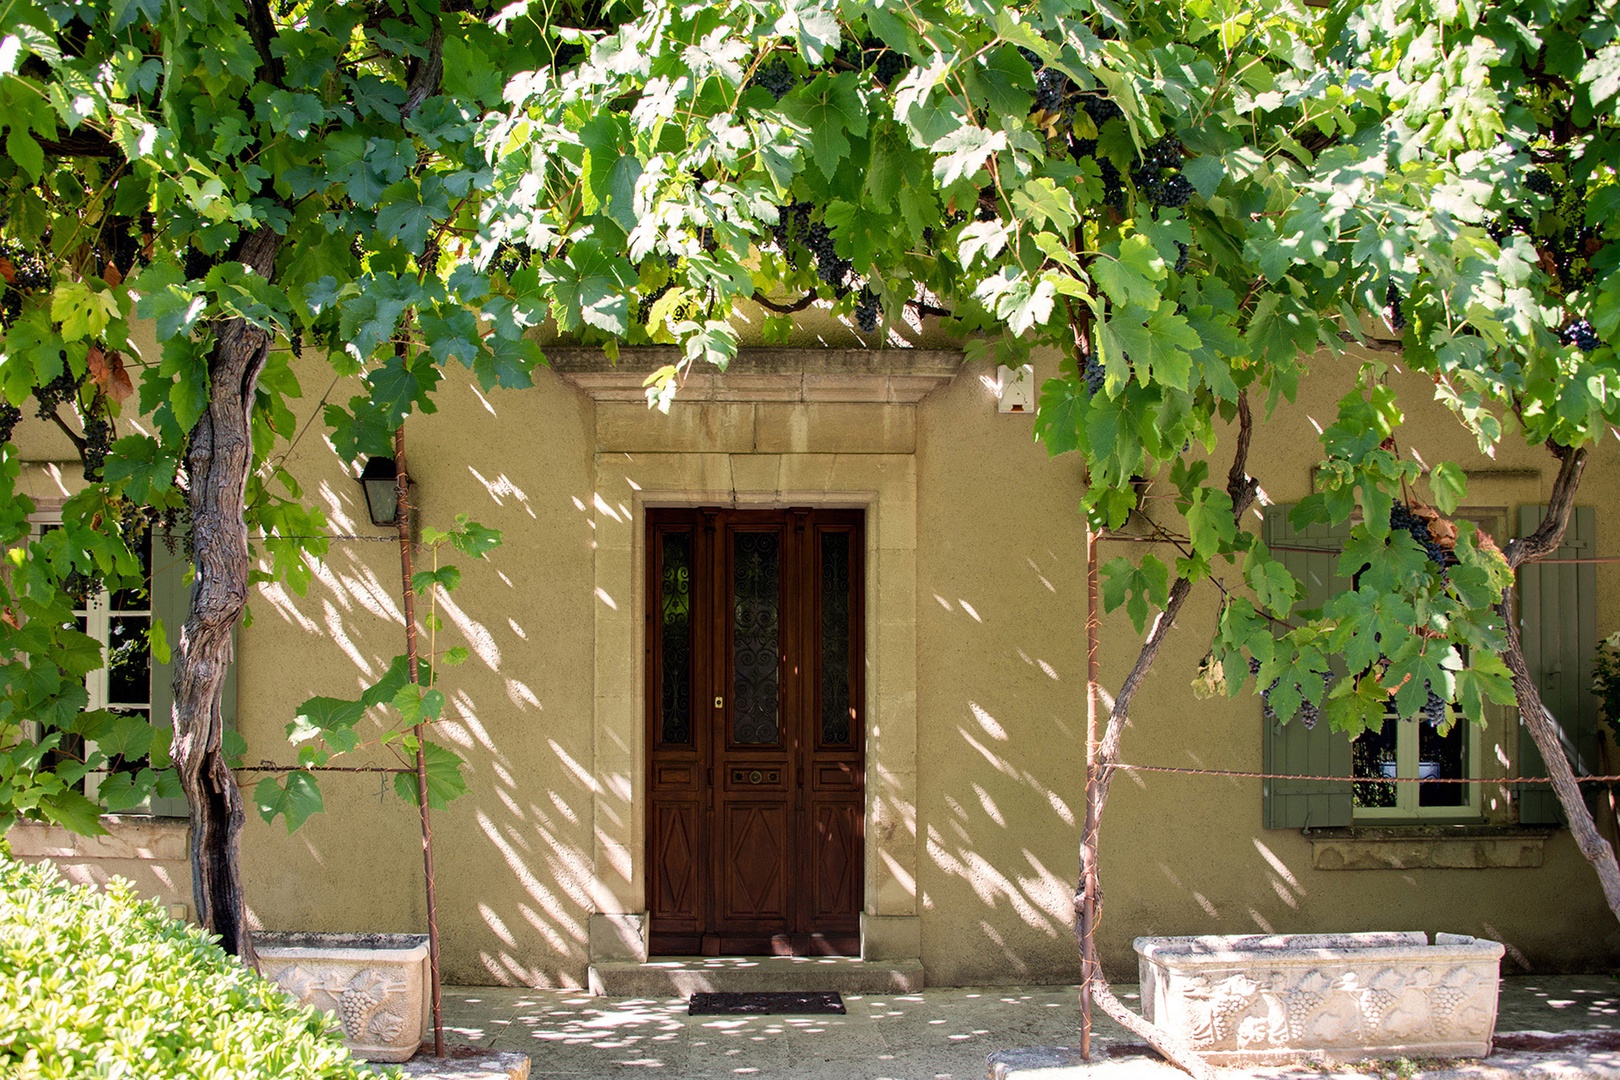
{"x": 755, "y": 779}
{"x": 675, "y": 851}
{"x": 754, "y": 859}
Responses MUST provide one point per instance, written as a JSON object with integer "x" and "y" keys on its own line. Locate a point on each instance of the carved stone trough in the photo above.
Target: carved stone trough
{"x": 375, "y": 984}
{"x": 1255, "y": 1000}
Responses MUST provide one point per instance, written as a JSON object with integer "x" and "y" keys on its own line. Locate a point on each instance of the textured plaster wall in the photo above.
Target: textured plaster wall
{"x": 514, "y": 856}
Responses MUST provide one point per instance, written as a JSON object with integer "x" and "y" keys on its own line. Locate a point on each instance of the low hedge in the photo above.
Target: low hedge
{"x": 105, "y": 984}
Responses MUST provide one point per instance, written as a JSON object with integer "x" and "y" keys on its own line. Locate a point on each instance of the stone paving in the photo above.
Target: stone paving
{"x": 942, "y": 1034}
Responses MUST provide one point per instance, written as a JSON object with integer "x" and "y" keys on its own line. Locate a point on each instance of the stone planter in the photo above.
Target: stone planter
{"x": 375, "y": 984}
{"x": 1254, "y": 1000}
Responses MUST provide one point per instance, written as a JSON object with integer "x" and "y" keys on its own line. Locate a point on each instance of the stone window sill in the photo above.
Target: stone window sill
{"x": 1427, "y": 847}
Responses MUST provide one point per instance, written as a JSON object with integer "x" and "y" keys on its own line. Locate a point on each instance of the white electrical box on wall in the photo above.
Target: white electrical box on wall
{"x": 1017, "y": 388}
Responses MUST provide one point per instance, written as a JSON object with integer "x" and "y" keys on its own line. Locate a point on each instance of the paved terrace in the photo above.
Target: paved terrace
{"x": 946, "y": 1035}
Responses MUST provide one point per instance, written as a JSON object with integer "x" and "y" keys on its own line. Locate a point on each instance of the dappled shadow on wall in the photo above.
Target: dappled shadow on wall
{"x": 514, "y": 854}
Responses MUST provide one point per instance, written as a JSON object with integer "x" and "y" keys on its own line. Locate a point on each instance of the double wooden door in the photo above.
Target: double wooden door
{"x": 755, "y": 776}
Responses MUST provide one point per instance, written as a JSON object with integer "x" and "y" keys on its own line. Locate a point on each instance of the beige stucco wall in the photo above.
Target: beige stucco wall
{"x": 1001, "y": 718}
{"x": 976, "y": 641}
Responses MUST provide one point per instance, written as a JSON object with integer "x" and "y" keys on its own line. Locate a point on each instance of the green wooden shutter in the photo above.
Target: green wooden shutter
{"x": 1291, "y": 747}
{"x": 1558, "y": 624}
{"x": 171, "y": 600}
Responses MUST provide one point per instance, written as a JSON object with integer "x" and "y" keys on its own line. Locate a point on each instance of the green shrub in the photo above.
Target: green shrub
{"x": 104, "y": 984}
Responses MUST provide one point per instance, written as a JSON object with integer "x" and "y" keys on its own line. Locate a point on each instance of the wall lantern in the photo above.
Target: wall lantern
{"x": 378, "y": 481}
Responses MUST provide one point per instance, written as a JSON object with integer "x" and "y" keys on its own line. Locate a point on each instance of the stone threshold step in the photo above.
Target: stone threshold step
{"x": 681, "y": 976}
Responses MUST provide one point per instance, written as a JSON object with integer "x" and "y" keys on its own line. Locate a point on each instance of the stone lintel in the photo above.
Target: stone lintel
{"x": 1427, "y": 847}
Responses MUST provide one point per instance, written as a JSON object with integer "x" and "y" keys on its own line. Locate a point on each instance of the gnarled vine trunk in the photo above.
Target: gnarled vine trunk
{"x": 1102, "y": 755}
{"x": 1533, "y": 712}
{"x": 217, "y": 462}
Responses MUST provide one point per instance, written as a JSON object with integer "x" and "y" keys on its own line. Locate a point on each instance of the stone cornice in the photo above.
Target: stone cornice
{"x": 885, "y": 376}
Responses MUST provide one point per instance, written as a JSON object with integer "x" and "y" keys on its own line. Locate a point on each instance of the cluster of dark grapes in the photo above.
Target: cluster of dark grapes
{"x": 28, "y": 272}
{"x": 1309, "y": 713}
{"x": 9, "y": 416}
{"x": 866, "y": 310}
{"x": 792, "y": 222}
{"x": 1434, "y": 708}
{"x": 1402, "y": 518}
{"x": 1392, "y": 306}
{"x": 1581, "y": 335}
{"x": 795, "y": 227}
{"x": 647, "y": 302}
{"x": 774, "y": 75}
{"x": 1158, "y": 174}
{"x": 829, "y": 266}
{"x": 60, "y": 390}
{"x": 1507, "y": 225}
{"x": 1540, "y": 181}
{"x": 1101, "y": 109}
{"x": 872, "y": 55}
{"x": 1181, "y": 257}
{"x": 1092, "y": 374}
{"x": 1052, "y": 92}
{"x": 97, "y": 442}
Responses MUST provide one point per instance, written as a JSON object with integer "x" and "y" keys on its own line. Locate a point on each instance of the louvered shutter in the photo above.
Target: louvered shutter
{"x": 1558, "y": 624}
{"x": 1291, "y": 747}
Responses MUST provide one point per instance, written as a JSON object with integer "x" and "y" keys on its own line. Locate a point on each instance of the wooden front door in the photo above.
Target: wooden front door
{"x": 755, "y": 776}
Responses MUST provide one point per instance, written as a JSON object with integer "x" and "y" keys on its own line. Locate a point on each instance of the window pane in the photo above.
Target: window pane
{"x": 129, "y": 660}
{"x": 675, "y": 636}
{"x": 1443, "y": 756}
{"x": 755, "y": 637}
{"x": 1375, "y": 757}
{"x": 835, "y": 710}
{"x": 140, "y": 597}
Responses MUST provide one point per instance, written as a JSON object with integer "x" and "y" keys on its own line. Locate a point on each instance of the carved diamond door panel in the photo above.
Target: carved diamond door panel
{"x": 755, "y": 726}
{"x": 754, "y": 857}
{"x": 835, "y": 860}
{"x": 675, "y": 849}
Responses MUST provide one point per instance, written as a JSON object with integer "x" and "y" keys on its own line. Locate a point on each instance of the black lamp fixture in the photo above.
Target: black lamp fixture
{"x": 382, "y": 498}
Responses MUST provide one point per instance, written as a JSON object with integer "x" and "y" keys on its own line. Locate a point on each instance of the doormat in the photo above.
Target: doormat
{"x": 805, "y": 1002}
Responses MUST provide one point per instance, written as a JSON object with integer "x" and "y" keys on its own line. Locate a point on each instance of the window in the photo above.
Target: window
{"x": 130, "y": 682}
{"x": 1437, "y": 744}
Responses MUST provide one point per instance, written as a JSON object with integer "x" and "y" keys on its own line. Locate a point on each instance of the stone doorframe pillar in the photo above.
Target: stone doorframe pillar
{"x": 830, "y": 440}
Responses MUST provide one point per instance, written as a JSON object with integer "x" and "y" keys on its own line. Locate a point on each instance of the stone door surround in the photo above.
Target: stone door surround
{"x": 765, "y": 445}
